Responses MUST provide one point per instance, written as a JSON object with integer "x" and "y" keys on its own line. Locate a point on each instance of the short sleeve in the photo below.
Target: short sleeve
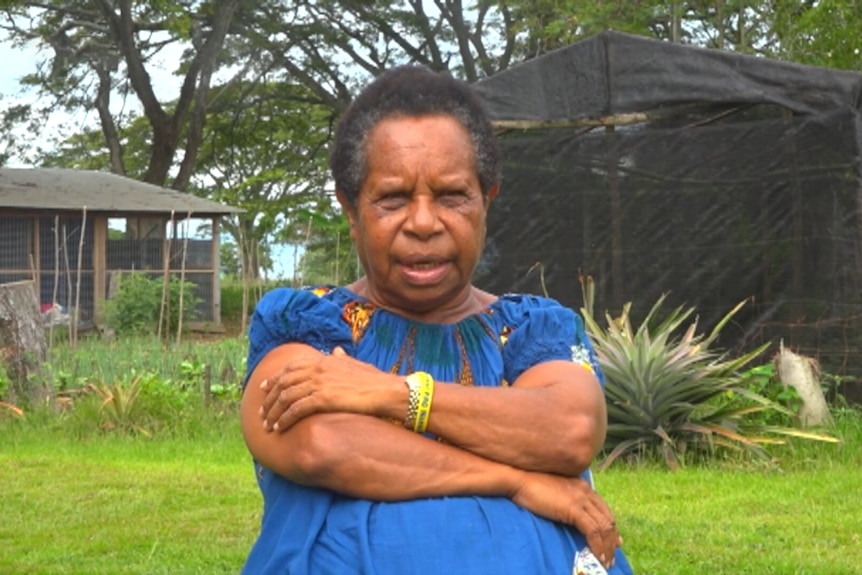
{"x": 286, "y": 315}
{"x": 542, "y": 330}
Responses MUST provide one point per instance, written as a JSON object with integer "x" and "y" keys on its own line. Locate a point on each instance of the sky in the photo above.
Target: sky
{"x": 17, "y": 62}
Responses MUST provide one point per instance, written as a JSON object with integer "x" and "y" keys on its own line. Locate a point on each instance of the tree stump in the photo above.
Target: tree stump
{"x": 22, "y": 341}
{"x": 803, "y": 374}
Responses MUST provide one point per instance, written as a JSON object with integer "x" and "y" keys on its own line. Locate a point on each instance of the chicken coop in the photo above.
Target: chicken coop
{"x": 76, "y": 233}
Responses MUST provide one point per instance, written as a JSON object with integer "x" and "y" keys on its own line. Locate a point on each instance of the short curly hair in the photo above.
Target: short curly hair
{"x": 411, "y": 91}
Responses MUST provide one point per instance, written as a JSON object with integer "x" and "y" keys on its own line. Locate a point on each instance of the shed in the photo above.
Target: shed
{"x": 118, "y": 225}
{"x": 712, "y": 176}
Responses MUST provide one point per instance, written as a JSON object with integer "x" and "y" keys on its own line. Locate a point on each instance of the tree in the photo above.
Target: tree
{"x": 265, "y": 152}
{"x": 101, "y": 49}
{"x": 329, "y": 256}
{"x": 823, "y": 33}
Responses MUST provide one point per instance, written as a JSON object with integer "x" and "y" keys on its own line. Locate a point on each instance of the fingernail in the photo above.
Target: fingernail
{"x": 260, "y": 412}
{"x": 275, "y": 427}
{"x": 263, "y": 384}
{"x": 602, "y": 558}
{"x": 265, "y": 424}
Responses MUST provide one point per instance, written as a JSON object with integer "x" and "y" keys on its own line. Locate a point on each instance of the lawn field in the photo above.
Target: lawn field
{"x": 113, "y": 504}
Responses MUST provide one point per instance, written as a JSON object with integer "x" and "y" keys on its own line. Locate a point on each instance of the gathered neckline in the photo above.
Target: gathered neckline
{"x": 490, "y": 309}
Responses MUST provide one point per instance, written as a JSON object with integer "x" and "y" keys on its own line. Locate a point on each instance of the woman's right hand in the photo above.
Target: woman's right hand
{"x": 571, "y": 500}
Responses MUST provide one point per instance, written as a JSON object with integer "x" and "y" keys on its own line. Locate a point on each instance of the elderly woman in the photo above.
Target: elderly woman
{"x": 411, "y": 423}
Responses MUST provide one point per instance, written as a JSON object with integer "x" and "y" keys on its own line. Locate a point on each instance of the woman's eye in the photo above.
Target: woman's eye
{"x": 453, "y": 198}
{"x": 392, "y": 201}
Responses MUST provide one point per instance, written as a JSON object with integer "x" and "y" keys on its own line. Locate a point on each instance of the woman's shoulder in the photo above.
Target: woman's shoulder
{"x": 315, "y": 298}
{"x": 519, "y": 307}
{"x": 309, "y": 315}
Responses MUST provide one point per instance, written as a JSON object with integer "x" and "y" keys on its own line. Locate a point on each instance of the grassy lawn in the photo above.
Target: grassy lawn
{"x": 123, "y": 505}
{"x": 120, "y": 505}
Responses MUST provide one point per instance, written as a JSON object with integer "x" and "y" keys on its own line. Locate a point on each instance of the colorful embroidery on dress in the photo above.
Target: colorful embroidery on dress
{"x": 321, "y": 291}
{"x": 587, "y": 564}
{"x": 581, "y": 356}
{"x": 466, "y": 375}
{"x": 357, "y": 314}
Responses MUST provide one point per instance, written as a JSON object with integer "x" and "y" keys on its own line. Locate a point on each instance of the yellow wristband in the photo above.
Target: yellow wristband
{"x": 423, "y": 383}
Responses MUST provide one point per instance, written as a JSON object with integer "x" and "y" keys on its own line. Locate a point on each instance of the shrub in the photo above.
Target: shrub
{"x": 137, "y": 306}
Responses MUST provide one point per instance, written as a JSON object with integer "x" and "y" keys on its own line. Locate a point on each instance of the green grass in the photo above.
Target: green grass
{"x": 122, "y": 505}
{"x": 126, "y": 505}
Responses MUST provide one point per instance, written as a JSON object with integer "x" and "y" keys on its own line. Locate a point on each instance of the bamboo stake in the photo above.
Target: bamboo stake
{"x": 68, "y": 277}
{"x": 183, "y": 279}
{"x": 617, "y": 120}
{"x": 166, "y": 264}
{"x": 243, "y": 279}
{"x": 258, "y": 284}
{"x": 77, "y": 315}
{"x": 56, "y": 279}
{"x": 33, "y": 270}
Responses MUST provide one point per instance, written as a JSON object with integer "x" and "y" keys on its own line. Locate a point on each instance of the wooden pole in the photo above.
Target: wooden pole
{"x": 616, "y": 219}
{"x": 215, "y": 262}
{"x": 56, "y": 278}
{"x": 164, "y": 308}
{"x": 68, "y": 281}
{"x": 618, "y": 120}
{"x": 77, "y": 316}
{"x": 99, "y": 255}
{"x": 183, "y": 279}
{"x": 243, "y": 262}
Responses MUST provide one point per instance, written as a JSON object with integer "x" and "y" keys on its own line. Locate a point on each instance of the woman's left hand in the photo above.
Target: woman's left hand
{"x": 317, "y": 383}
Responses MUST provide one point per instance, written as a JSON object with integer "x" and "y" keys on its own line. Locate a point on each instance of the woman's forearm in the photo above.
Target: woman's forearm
{"x": 369, "y": 458}
{"x": 552, "y": 420}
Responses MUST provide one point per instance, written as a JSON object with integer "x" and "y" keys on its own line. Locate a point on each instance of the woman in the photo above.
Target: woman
{"x": 410, "y": 423}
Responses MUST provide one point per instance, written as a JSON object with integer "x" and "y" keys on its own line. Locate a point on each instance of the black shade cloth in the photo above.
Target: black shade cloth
{"x": 741, "y": 180}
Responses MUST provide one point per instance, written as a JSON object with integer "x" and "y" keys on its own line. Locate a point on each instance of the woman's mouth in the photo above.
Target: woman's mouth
{"x": 423, "y": 273}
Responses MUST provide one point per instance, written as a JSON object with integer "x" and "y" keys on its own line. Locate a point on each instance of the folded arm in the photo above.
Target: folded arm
{"x": 552, "y": 419}
{"x": 368, "y": 457}
{"x": 364, "y": 456}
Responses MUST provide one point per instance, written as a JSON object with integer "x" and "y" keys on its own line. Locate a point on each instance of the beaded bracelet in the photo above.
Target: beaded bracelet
{"x": 421, "y": 387}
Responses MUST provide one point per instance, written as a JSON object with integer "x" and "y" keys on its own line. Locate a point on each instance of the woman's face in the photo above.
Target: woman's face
{"x": 419, "y": 219}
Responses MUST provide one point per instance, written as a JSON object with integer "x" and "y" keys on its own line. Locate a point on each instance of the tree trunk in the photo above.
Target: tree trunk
{"x": 22, "y": 341}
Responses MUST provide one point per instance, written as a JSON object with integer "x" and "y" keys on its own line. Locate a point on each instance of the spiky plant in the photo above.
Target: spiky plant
{"x": 119, "y": 406}
{"x": 12, "y": 408}
{"x": 662, "y": 390}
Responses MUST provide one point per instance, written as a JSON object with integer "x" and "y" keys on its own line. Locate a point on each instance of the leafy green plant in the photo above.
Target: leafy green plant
{"x": 193, "y": 374}
{"x": 763, "y": 380}
{"x": 662, "y": 389}
{"x": 138, "y": 304}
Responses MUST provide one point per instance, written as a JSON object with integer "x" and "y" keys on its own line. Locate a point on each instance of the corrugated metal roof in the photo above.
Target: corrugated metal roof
{"x": 60, "y": 189}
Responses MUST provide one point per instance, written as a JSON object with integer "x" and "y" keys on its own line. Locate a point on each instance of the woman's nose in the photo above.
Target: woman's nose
{"x": 424, "y": 220}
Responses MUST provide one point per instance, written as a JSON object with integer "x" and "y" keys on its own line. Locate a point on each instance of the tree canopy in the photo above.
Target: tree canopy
{"x": 236, "y": 100}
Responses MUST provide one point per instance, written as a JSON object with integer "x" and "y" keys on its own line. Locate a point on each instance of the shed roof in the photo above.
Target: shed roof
{"x": 72, "y": 190}
{"x": 613, "y": 73}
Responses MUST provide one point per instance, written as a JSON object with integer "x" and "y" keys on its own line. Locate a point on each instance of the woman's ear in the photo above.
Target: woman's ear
{"x": 349, "y": 210}
{"x": 492, "y": 193}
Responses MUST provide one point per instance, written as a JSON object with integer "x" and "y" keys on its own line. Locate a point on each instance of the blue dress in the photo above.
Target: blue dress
{"x": 311, "y": 531}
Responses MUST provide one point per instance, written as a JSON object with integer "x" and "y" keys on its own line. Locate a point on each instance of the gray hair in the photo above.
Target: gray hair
{"x": 411, "y": 91}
